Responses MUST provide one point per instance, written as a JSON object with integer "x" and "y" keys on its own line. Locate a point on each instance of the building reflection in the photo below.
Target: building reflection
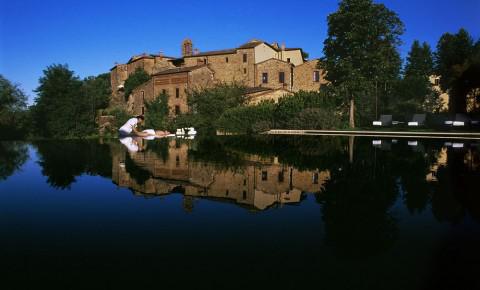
{"x": 258, "y": 183}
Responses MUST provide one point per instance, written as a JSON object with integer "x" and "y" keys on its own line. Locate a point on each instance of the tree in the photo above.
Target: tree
{"x": 138, "y": 77}
{"x": 97, "y": 90}
{"x": 419, "y": 61}
{"x": 207, "y": 105}
{"x": 361, "y": 52}
{"x": 12, "y": 110}
{"x": 156, "y": 115}
{"x": 414, "y": 93}
{"x": 61, "y": 109}
{"x": 454, "y": 57}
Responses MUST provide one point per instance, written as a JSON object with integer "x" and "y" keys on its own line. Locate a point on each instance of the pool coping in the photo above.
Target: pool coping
{"x": 370, "y": 133}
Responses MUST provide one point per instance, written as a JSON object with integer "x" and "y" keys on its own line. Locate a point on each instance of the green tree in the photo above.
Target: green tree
{"x": 414, "y": 92}
{"x": 419, "y": 61}
{"x": 360, "y": 53}
{"x": 97, "y": 90}
{"x": 138, "y": 77}
{"x": 456, "y": 56}
{"x": 207, "y": 105}
{"x": 156, "y": 115}
{"x": 61, "y": 109}
{"x": 12, "y": 109}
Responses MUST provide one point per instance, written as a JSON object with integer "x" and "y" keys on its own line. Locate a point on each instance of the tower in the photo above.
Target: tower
{"x": 187, "y": 47}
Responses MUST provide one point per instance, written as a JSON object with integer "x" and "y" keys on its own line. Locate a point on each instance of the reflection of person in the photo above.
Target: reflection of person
{"x": 130, "y": 129}
{"x": 130, "y": 143}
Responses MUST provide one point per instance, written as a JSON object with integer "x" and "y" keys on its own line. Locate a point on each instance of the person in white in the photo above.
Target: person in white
{"x": 130, "y": 129}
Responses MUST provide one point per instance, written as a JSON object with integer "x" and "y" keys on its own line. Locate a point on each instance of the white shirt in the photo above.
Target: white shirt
{"x": 130, "y": 144}
{"x": 129, "y": 125}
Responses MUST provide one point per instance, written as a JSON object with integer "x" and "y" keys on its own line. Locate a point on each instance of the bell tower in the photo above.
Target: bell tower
{"x": 187, "y": 47}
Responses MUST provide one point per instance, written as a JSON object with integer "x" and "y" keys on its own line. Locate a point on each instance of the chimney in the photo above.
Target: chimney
{"x": 283, "y": 46}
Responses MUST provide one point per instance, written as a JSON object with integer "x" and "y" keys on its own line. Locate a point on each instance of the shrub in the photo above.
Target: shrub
{"x": 315, "y": 118}
{"x": 246, "y": 120}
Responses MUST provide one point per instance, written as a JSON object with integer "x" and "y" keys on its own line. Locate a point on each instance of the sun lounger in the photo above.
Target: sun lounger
{"x": 459, "y": 120}
{"x": 385, "y": 120}
{"x": 417, "y": 120}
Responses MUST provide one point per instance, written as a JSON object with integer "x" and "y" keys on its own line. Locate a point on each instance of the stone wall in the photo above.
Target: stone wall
{"x": 273, "y": 67}
{"x": 303, "y": 77}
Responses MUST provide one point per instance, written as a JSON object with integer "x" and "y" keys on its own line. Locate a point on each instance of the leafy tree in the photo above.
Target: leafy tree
{"x": 456, "y": 58}
{"x": 138, "y": 77}
{"x": 419, "y": 61}
{"x": 414, "y": 92}
{"x": 361, "y": 52}
{"x": 12, "y": 109}
{"x": 97, "y": 90}
{"x": 207, "y": 105}
{"x": 156, "y": 115}
{"x": 61, "y": 109}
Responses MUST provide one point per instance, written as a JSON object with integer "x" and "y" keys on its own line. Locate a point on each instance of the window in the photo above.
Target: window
{"x": 177, "y": 110}
{"x": 265, "y": 78}
{"x": 143, "y": 96}
{"x": 226, "y": 59}
{"x": 281, "y": 77}
{"x": 315, "y": 178}
{"x": 288, "y": 60}
{"x": 264, "y": 175}
{"x": 143, "y": 110}
{"x": 177, "y": 93}
{"x": 164, "y": 91}
{"x": 245, "y": 71}
{"x": 316, "y": 76}
{"x": 437, "y": 81}
{"x": 177, "y": 161}
{"x": 281, "y": 176}
{"x": 205, "y": 61}
{"x": 244, "y": 57}
{"x": 226, "y": 193}
{"x": 244, "y": 182}
{"x": 244, "y": 194}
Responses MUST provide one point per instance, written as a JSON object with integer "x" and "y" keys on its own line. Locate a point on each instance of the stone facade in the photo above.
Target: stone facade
{"x": 307, "y": 77}
{"x": 173, "y": 82}
{"x": 274, "y": 73}
{"x": 249, "y": 65}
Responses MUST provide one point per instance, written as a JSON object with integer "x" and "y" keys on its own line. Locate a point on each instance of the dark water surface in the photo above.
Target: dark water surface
{"x": 238, "y": 213}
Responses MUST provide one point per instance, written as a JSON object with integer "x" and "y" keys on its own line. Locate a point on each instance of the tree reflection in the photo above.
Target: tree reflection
{"x": 456, "y": 192}
{"x": 356, "y": 204}
{"x": 63, "y": 161}
{"x": 12, "y": 156}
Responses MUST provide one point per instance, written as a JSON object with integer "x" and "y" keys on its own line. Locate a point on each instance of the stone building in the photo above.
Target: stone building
{"x": 277, "y": 70}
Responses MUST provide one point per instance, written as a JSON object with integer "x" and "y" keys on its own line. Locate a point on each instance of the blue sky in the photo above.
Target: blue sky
{"x": 90, "y": 36}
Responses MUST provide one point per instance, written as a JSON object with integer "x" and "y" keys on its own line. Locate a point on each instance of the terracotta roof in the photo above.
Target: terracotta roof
{"x": 213, "y": 52}
{"x": 251, "y": 44}
{"x": 179, "y": 70}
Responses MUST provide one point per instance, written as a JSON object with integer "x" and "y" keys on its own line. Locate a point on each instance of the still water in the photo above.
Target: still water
{"x": 236, "y": 213}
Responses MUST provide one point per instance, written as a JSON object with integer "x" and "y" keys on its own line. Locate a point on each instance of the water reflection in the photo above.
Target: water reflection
{"x": 12, "y": 156}
{"x": 377, "y": 213}
{"x": 254, "y": 181}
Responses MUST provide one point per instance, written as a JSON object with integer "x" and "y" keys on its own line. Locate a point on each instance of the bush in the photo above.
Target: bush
{"x": 290, "y": 107}
{"x": 247, "y": 120}
{"x": 315, "y": 118}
